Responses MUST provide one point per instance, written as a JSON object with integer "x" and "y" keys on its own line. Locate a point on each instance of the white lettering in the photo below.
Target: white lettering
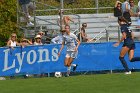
{"x": 29, "y": 57}
{"x": 46, "y": 53}
{"x": 54, "y": 54}
{"x": 20, "y": 60}
{"x": 6, "y": 61}
{"x": 40, "y": 55}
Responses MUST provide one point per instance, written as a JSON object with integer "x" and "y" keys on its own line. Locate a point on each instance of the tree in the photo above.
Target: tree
{"x": 7, "y": 20}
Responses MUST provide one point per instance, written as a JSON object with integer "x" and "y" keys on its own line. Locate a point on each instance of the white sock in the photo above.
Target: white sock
{"x": 73, "y": 65}
{"x": 68, "y": 70}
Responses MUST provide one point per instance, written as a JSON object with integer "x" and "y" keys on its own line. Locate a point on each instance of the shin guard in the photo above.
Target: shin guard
{"x": 124, "y": 63}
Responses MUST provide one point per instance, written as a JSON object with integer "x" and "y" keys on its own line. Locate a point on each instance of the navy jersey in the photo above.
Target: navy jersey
{"x": 129, "y": 40}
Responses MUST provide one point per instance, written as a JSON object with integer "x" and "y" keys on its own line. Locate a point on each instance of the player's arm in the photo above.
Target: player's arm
{"x": 119, "y": 41}
{"x": 132, "y": 34}
{"x": 78, "y": 43}
{"x": 62, "y": 46}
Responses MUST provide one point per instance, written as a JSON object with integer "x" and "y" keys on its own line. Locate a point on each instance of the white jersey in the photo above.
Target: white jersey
{"x": 58, "y": 39}
{"x": 13, "y": 44}
{"x": 70, "y": 41}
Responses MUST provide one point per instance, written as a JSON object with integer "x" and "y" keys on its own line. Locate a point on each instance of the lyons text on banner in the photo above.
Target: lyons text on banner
{"x": 44, "y": 58}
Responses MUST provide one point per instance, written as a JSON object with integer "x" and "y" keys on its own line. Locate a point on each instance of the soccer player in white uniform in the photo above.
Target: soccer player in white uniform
{"x": 70, "y": 40}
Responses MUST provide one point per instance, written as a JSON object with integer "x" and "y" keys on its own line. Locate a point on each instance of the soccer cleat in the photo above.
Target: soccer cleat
{"x": 67, "y": 75}
{"x": 26, "y": 76}
{"x": 74, "y": 68}
{"x": 127, "y": 73}
{"x": 12, "y": 77}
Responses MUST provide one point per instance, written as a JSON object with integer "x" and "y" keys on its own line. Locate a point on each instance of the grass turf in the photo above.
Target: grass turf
{"x": 100, "y": 83}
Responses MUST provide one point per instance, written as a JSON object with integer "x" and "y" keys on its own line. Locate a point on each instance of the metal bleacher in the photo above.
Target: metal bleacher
{"x": 101, "y": 27}
{"x": 106, "y": 24}
{"x": 96, "y": 23}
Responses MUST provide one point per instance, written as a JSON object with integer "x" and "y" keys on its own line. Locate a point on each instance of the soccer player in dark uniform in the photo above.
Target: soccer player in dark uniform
{"x": 128, "y": 46}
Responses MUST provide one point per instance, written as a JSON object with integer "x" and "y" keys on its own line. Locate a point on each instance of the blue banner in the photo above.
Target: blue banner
{"x": 44, "y": 58}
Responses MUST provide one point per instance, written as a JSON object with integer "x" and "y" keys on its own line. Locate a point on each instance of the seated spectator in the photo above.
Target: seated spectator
{"x": 42, "y": 34}
{"x": 65, "y": 19}
{"x": 83, "y": 34}
{"x": 12, "y": 42}
{"x": 59, "y": 38}
{"x": 126, "y": 11}
{"x": 38, "y": 40}
{"x": 25, "y": 42}
{"x": 133, "y": 9}
{"x": 118, "y": 9}
{"x": 27, "y": 5}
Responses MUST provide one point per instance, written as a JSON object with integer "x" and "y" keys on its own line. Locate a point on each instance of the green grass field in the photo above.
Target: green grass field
{"x": 96, "y": 83}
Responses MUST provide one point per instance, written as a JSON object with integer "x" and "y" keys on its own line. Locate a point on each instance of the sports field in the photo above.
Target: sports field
{"x": 99, "y": 83}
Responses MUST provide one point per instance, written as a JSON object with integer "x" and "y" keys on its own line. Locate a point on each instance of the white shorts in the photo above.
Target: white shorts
{"x": 72, "y": 54}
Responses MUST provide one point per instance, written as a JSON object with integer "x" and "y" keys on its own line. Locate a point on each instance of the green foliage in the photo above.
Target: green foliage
{"x": 7, "y": 20}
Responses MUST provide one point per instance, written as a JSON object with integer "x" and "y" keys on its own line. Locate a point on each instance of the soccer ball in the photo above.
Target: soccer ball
{"x": 58, "y": 74}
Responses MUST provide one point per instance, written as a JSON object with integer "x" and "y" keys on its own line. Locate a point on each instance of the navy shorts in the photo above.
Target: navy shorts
{"x": 130, "y": 46}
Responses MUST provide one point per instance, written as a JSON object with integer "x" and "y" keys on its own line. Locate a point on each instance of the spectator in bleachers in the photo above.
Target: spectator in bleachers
{"x": 12, "y": 42}
{"x": 65, "y": 20}
{"x": 42, "y": 34}
{"x": 27, "y": 5}
{"x": 83, "y": 35}
{"x": 118, "y": 9}
{"x": 133, "y": 9}
{"x": 59, "y": 38}
{"x": 38, "y": 40}
{"x": 25, "y": 42}
{"x": 126, "y": 11}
